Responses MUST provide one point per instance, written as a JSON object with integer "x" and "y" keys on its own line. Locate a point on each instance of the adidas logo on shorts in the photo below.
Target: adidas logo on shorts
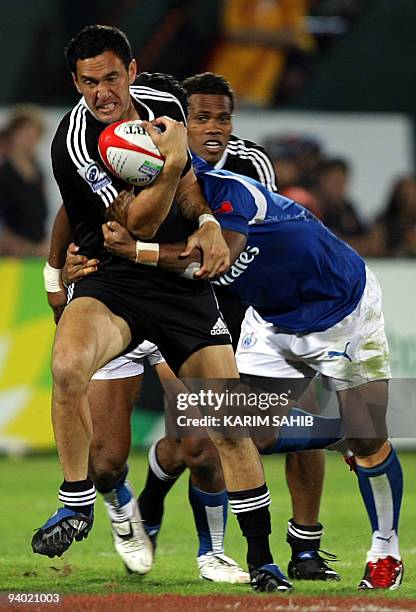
{"x": 219, "y": 328}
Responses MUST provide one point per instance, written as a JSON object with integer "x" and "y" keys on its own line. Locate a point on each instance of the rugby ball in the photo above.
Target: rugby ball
{"x": 128, "y": 152}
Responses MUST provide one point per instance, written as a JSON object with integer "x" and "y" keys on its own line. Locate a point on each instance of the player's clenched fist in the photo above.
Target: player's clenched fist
{"x": 171, "y": 142}
{"x": 118, "y": 240}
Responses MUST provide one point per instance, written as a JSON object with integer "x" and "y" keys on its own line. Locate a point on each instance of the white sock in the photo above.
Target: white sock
{"x": 119, "y": 513}
{"x": 384, "y": 544}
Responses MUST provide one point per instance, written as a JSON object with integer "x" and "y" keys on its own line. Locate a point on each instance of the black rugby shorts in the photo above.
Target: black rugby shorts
{"x": 233, "y": 311}
{"x": 179, "y": 315}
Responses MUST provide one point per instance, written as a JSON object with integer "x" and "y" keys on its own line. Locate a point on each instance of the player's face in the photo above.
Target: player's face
{"x": 209, "y": 125}
{"x": 104, "y": 82}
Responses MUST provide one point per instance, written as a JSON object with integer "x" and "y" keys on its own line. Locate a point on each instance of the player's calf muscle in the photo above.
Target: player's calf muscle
{"x": 241, "y": 452}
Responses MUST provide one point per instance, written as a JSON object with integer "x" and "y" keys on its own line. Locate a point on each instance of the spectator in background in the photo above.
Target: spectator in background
{"x": 23, "y": 208}
{"x": 310, "y": 157}
{"x": 397, "y": 224}
{"x": 338, "y": 212}
{"x": 286, "y": 154}
{"x": 257, "y": 38}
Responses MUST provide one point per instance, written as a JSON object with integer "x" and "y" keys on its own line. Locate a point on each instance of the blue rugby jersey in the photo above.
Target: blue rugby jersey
{"x": 293, "y": 271}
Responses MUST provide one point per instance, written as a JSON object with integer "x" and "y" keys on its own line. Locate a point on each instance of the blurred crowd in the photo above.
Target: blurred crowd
{"x": 23, "y": 203}
{"x": 266, "y": 48}
{"x": 321, "y": 183}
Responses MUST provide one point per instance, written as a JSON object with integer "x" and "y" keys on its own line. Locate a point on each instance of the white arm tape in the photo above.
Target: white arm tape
{"x": 207, "y": 219}
{"x": 147, "y": 253}
{"x": 52, "y": 278}
{"x": 193, "y": 267}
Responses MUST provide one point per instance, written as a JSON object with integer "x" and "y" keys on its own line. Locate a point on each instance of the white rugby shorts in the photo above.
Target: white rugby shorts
{"x": 352, "y": 352}
{"x": 130, "y": 364}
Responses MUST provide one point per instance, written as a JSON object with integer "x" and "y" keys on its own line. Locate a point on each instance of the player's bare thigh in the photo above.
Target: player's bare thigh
{"x": 210, "y": 362}
{"x": 88, "y": 336}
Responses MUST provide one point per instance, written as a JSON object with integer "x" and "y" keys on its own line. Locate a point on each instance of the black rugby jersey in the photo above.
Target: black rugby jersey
{"x": 87, "y": 187}
{"x": 249, "y": 159}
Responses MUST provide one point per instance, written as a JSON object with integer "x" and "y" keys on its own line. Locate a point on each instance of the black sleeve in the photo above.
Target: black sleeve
{"x": 77, "y": 193}
{"x": 263, "y": 167}
{"x": 250, "y": 159}
{"x": 86, "y": 190}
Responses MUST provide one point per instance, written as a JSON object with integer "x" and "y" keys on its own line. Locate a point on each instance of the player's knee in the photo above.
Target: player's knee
{"x": 69, "y": 373}
{"x": 170, "y": 455}
{"x": 365, "y": 447}
{"x": 105, "y": 471}
{"x": 201, "y": 459}
{"x": 265, "y": 446}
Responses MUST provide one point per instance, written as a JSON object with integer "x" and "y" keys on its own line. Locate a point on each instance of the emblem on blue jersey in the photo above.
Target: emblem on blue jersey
{"x": 226, "y": 207}
{"x": 96, "y": 178}
{"x": 248, "y": 341}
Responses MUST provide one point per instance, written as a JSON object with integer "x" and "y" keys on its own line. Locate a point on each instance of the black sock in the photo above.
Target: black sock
{"x": 78, "y": 496}
{"x": 158, "y": 484}
{"x": 251, "y": 508}
{"x": 303, "y": 537}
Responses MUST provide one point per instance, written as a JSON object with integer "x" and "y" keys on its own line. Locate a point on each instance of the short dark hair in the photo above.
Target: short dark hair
{"x": 164, "y": 82}
{"x": 94, "y": 40}
{"x": 209, "y": 83}
{"x": 334, "y": 163}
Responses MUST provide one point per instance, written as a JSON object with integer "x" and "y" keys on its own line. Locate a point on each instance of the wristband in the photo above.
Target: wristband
{"x": 52, "y": 278}
{"x": 147, "y": 253}
{"x": 206, "y": 218}
{"x": 189, "y": 273}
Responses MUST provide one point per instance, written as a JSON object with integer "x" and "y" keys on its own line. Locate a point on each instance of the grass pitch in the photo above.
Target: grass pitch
{"x": 29, "y": 495}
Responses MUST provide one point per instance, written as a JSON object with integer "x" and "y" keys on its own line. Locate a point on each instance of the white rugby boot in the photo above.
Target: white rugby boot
{"x": 220, "y": 568}
{"x": 132, "y": 543}
{"x": 130, "y": 539}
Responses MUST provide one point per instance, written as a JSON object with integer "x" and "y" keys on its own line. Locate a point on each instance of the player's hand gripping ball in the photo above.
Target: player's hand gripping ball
{"x": 128, "y": 152}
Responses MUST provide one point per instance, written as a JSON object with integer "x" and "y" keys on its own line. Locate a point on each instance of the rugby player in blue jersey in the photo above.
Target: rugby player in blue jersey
{"x": 314, "y": 308}
{"x": 210, "y": 102}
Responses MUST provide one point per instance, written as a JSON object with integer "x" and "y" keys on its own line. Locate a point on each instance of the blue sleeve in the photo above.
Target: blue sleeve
{"x": 229, "y": 202}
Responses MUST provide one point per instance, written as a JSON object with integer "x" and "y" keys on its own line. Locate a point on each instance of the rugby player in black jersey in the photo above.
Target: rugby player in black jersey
{"x": 122, "y": 304}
